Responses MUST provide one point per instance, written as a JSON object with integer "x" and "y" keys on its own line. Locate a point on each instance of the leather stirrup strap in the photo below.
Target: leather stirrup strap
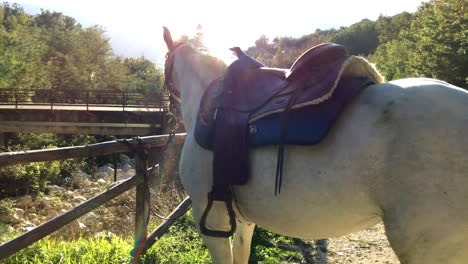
{"x": 225, "y": 196}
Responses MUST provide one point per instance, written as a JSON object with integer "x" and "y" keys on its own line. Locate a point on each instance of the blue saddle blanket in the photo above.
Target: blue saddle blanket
{"x": 307, "y": 125}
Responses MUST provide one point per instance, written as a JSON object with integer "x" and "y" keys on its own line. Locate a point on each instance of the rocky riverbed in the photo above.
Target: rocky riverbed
{"x": 116, "y": 216}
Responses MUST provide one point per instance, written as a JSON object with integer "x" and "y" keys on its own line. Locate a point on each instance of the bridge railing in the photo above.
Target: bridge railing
{"x": 143, "y": 241}
{"x": 108, "y": 97}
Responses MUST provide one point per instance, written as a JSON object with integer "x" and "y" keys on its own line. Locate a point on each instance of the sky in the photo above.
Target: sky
{"x": 135, "y": 26}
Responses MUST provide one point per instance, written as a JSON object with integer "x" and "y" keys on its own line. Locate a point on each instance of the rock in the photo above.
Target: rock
{"x": 15, "y": 219}
{"x": 18, "y": 212}
{"x": 94, "y": 185}
{"x": 120, "y": 173}
{"x": 124, "y": 159}
{"x": 24, "y": 202}
{"x": 29, "y": 211}
{"x": 46, "y": 202}
{"x": 127, "y": 167}
{"x": 94, "y": 190}
{"x": 81, "y": 225}
{"x": 62, "y": 211}
{"x": 36, "y": 222}
{"x": 69, "y": 194}
{"x": 79, "y": 199}
{"x": 101, "y": 182}
{"x": 27, "y": 228}
{"x": 37, "y": 201}
{"x": 80, "y": 178}
{"x": 131, "y": 172}
{"x": 10, "y": 229}
{"x": 101, "y": 175}
{"x": 32, "y": 216}
{"x": 52, "y": 214}
{"x": 55, "y": 189}
{"x": 67, "y": 206}
{"x": 85, "y": 183}
{"x": 104, "y": 234}
{"x": 110, "y": 170}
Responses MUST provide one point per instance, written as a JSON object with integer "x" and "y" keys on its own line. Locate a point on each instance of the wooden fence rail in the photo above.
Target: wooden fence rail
{"x": 139, "y": 180}
{"x": 105, "y": 148}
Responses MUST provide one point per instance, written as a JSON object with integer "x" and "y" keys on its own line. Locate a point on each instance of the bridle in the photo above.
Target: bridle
{"x": 168, "y": 67}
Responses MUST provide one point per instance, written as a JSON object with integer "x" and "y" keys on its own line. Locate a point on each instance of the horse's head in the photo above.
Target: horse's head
{"x": 188, "y": 72}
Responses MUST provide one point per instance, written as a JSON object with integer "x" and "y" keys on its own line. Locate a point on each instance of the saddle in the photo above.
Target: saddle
{"x": 252, "y": 105}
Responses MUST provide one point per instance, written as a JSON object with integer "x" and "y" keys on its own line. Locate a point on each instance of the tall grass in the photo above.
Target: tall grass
{"x": 181, "y": 244}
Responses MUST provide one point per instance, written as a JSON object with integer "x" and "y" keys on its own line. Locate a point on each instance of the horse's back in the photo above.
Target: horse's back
{"x": 394, "y": 138}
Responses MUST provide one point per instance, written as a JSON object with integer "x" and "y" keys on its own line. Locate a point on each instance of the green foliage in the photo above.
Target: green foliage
{"x": 100, "y": 250}
{"x": 389, "y": 28}
{"x": 6, "y": 209}
{"x": 144, "y": 77}
{"x": 33, "y": 178}
{"x": 435, "y": 45}
{"x": 53, "y": 51}
{"x": 270, "y": 248}
{"x": 360, "y": 38}
{"x": 182, "y": 244}
{"x": 282, "y": 52}
{"x": 432, "y": 42}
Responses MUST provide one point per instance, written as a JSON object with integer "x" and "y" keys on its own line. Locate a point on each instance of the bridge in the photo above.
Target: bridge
{"x": 103, "y": 112}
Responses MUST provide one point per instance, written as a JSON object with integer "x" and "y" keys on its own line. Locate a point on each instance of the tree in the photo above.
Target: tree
{"x": 389, "y": 28}
{"x": 145, "y": 78}
{"x": 434, "y": 46}
{"x": 360, "y": 38}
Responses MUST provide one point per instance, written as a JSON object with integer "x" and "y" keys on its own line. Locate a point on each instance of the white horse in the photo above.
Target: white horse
{"x": 397, "y": 154}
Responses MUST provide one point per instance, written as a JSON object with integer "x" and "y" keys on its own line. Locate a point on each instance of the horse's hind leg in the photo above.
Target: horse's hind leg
{"x": 429, "y": 239}
{"x": 219, "y": 248}
{"x": 242, "y": 241}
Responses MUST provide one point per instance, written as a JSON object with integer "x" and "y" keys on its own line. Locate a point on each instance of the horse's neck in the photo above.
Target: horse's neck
{"x": 191, "y": 97}
{"x": 194, "y": 77}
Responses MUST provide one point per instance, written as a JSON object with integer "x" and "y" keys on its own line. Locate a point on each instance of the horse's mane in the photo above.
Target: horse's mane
{"x": 201, "y": 51}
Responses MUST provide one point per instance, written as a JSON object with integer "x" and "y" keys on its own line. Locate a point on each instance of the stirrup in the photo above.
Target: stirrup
{"x": 228, "y": 199}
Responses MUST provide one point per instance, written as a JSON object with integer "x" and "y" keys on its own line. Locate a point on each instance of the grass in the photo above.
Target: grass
{"x": 181, "y": 244}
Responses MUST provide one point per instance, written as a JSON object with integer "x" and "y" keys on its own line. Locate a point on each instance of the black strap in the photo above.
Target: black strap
{"x": 282, "y": 139}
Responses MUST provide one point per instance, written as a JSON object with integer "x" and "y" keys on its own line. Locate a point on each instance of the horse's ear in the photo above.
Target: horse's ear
{"x": 168, "y": 38}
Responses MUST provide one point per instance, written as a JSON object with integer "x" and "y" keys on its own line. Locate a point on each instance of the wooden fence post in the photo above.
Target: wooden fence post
{"x": 141, "y": 210}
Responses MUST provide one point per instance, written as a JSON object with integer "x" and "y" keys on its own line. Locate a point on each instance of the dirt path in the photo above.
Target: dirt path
{"x": 364, "y": 247}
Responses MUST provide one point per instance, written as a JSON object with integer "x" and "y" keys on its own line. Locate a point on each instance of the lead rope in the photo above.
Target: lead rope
{"x": 153, "y": 212}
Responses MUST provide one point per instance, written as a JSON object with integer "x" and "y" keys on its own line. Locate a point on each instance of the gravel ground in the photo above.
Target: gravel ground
{"x": 367, "y": 246}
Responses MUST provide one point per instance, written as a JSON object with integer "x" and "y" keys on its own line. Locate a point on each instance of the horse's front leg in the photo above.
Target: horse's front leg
{"x": 242, "y": 241}
{"x": 218, "y": 219}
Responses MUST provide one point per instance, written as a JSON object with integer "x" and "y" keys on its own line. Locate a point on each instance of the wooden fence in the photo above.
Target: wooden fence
{"x": 140, "y": 180}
